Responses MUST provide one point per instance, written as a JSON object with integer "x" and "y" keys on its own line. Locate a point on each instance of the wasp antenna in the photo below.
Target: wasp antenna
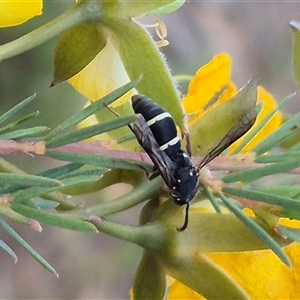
{"x": 186, "y": 218}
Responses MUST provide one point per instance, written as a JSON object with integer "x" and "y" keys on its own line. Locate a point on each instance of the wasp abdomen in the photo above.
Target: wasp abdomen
{"x": 160, "y": 122}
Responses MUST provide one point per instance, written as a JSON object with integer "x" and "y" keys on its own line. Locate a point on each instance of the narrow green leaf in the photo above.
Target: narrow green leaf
{"x": 18, "y": 122}
{"x": 45, "y": 204}
{"x": 88, "y": 132}
{"x": 76, "y": 48}
{"x": 23, "y": 133}
{"x": 256, "y": 229}
{"x": 285, "y": 202}
{"x": 48, "y": 194}
{"x": 97, "y": 160}
{"x": 53, "y": 219}
{"x": 87, "y": 172}
{"x": 28, "y": 180}
{"x": 258, "y": 173}
{"x": 24, "y": 195}
{"x": 295, "y": 25}
{"x": 284, "y": 132}
{"x": 16, "y": 109}
{"x": 212, "y": 199}
{"x": 290, "y": 144}
{"x": 72, "y": 170}
{"x": 91, "y": 109}
{"x": 282, "y": 190}
{"x": 27, "y": 247}
{"x": 56, "y": 173}
{"x": 291, "y": 233}
{"x": 277, "y": 157}
{"x": 8, "y": 250}
{"x": 61, "y": 171}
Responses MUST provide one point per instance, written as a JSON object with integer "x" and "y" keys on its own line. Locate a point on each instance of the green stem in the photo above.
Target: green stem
{"x": 84, "y": 11}
{"x": 152, "y": 236}
{"x": 145, "y": 190}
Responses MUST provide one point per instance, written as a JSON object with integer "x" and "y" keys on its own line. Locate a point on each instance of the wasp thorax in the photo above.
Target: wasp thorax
{"x": 186, "y": 179}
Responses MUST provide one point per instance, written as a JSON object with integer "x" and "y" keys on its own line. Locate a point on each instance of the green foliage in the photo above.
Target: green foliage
{"x": 38, "y": 199}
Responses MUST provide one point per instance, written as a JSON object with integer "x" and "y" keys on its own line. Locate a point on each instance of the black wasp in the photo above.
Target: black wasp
{"x": 156, "y": 132}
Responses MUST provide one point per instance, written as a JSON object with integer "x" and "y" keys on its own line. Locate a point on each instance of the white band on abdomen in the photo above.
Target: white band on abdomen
{"x": 158, "y": 118}
{"x": 169, "y": 143}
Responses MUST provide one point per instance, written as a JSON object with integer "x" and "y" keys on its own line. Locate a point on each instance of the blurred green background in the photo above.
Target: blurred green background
{"x": 91, "y": 266}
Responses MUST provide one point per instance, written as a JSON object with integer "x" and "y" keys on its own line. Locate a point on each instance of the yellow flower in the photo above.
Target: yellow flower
{"x": 203, "y": 257}
{"x": 260, "y": 273}
{"x": 208, "y": 81}
{"x": 104, "y": 74}
{"x": 15, "y": 12}
{"x": 211, "y": 87}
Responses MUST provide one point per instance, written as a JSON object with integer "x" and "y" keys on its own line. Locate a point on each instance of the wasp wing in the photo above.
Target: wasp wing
{"x": 163, "y": 164}
{"x": 244, "y": 124}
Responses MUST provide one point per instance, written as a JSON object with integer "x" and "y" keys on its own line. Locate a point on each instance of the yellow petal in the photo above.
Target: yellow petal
{"x": 289, "y": 223}
{"x": 209, "y": 81}
{"x": 269, "y": 103}
{"x": 15, "y": 12}
{"x": 102, "y": 75}
{"x": 262, "y": 274}
{"x": 179, "y": 291}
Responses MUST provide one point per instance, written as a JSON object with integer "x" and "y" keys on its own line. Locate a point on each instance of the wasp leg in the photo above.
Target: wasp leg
{"x": 154, "y": 174}
{"x": 186, "y": 136}
{"x": 186, "y": 218}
